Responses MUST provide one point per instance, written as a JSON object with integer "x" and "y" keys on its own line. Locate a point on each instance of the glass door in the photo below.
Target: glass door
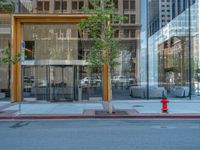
{"x": 35, "y": 83}
{"x": 42, "y": 85}
{"x": 29, "y": 82}
{"x": 61, "y": 83}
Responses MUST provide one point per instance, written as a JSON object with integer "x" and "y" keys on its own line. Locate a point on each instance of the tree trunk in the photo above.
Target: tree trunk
{"x": 107, "y": 89}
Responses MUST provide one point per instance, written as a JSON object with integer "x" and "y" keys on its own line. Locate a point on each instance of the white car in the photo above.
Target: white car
{"x": 90, "y": 80}
{"x": 122, "y": 79}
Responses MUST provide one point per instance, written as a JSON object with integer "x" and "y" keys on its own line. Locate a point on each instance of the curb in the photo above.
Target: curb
{"x": 141, "y": 116}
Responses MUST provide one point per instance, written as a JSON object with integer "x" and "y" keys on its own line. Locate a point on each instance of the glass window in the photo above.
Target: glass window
{"x": 132, "y": 18}
{"x": 91, "y": 6}
{"x": 77, "y": 5}
{"x": 81, "y": 4}
{"x": 126, "y": 33}
{"x": 132, "y": 4}
{"x": 51, "y": 41}
{"x": 25, "y": 6}
{"x": 74, "y": 5}
{"x": 126, "y": 20}
{"x": 126, "y": 4}
{"x": 116, "y": 35}
{"x": 132, "y": 33}
{"x": 64, "y": 5}
{"x": 46, "y": 6}
{"x": 57, "y": 5}
{"x": 43, "y": 5}
{"x": 39, "y": 5}
{"x": 115, "y": 3}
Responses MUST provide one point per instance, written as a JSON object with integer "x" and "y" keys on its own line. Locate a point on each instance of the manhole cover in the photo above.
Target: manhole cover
{"x": 116, "y": 112}
{"x": 138, "y": 106}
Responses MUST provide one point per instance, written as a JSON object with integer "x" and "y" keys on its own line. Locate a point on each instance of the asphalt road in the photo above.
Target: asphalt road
{"x": 100, "y": 135}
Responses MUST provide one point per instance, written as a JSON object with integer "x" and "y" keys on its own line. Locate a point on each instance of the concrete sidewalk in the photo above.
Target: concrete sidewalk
{"x": 122, "y": 109}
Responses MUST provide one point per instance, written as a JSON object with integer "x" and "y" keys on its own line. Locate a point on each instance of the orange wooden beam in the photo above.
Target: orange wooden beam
{"x": 17, "y": 21}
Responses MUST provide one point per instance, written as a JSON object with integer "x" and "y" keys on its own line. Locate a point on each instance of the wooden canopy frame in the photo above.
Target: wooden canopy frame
{"x": 16, "y": 26}
{"x": 16, "y": 36}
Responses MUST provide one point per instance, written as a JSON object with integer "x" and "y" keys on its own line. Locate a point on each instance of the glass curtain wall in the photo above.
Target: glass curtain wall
{"x": 174, "y": 56}
{"x": 51, "y": 41}
{"x": 130, "y": 33}
{"x": 50, "y": 54}
{"x": 195, "y": 52}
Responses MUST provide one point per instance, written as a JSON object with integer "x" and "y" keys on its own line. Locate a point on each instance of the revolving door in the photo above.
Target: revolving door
{"x": 49, "y": 83}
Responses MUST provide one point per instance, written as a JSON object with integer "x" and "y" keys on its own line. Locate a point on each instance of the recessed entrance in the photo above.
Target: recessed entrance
{"x": 49, "y": 83}
{"x": 62, "y": 83}
{"x": 33, "y": 81}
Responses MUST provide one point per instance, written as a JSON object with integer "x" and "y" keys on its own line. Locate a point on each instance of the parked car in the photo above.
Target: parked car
{"x": 42, "y": 83}
{"x": 29, "y": 79}
{"x": 122, "y": 79}
{"x": 90, "y": 80}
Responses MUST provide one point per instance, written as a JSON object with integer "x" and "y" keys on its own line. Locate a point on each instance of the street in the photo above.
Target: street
{"x": 100, "y": 134}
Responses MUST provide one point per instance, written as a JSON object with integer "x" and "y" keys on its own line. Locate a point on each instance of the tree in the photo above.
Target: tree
{"x": 105, "y": 48}
{"x": 6, "y": 6}
{"x": 7, "y": 58}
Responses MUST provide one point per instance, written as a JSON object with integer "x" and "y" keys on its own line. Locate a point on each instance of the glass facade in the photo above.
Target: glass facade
{"x": 157, "y": 57}
{"x": 56, "y": 47}
{"x": 53, "y": 66}
{"x": 174, "y": 57}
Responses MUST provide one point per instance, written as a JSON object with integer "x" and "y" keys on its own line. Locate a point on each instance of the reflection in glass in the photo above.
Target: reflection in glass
{"x": 51, "y": 41}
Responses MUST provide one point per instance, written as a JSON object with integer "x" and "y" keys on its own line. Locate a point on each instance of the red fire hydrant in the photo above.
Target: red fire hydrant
{"x": 164, "y": 102}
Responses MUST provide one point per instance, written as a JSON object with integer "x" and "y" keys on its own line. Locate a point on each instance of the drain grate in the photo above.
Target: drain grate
{"x": 115, "y": 112}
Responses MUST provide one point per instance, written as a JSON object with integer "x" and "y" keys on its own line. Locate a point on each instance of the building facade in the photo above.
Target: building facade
{"x": 175, "y": 56}
{"x": 54, "y": 65}
{"x": 157, "y": 57}
{"x": 159, "y": 14}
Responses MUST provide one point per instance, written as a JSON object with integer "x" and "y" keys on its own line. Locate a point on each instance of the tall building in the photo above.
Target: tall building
{"x": 159, "y": 14}
{"x": 178, "y": 6}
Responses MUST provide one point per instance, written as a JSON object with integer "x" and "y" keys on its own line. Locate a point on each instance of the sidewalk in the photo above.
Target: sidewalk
{"x": 122, "y": 109}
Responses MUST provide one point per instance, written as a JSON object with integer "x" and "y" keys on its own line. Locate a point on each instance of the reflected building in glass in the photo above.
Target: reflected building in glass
{"x": 174, "y": 55}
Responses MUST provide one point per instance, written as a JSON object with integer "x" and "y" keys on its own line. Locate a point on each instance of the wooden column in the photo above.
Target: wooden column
{"x": 16, "y": 68}
{"x": 107, "y": 95}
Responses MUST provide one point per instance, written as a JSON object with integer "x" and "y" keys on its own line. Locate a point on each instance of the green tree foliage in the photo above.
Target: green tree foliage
{"x": 7, "y": 58}
{"x": 5, "y": 54}
{"x": 105, "y": 48}
{"x": 6, "y": 6}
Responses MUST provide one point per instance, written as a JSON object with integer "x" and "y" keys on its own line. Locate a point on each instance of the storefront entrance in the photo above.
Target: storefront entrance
{"x": 49, "y": 83}
{"x": 62, "y": 83}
